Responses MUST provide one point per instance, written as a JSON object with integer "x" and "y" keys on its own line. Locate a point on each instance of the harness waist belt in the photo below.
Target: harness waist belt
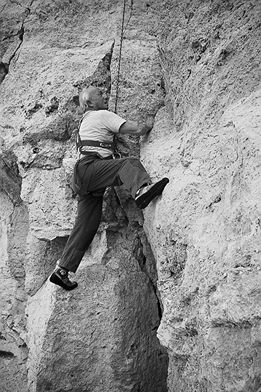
{"x": 94, "y": 143}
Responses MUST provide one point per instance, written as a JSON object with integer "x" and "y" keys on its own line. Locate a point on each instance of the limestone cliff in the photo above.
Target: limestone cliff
{"x": 168, "y": 299}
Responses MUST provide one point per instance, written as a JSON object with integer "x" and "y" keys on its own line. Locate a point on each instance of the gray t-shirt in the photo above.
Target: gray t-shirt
{"x": 99, "y": 125}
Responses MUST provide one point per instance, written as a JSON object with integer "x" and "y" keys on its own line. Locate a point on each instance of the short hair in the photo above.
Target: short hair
{"x": 85, "y": 96}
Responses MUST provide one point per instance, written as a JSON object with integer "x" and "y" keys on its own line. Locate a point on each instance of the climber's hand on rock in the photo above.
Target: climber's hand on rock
{"x": 150, "y": 122}
{"x": 147, "y": 127}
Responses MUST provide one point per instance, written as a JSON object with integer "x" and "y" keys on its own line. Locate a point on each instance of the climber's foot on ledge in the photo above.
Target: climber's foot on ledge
{"x": 61, "y": 278}
{"x": 147, "y": 193}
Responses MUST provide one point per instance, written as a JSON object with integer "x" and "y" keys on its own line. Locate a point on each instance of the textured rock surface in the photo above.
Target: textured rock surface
{"x": 208, "y": 252}
{"x": 194, "y": 66}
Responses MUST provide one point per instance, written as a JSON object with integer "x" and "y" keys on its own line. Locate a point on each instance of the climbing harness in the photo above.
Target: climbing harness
{"x": 91, "y": 143}
{"x": 94, "y": 143}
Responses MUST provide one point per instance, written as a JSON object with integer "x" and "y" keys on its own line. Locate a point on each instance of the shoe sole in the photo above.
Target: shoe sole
{"x": 153, "y": 192}
{"x": 55, "y": 279}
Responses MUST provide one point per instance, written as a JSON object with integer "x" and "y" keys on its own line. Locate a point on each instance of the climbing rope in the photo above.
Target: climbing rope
{"x": 119, "y": 61}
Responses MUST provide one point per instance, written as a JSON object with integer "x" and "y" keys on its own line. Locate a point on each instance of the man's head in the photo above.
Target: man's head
{"x": 91, "y": 98}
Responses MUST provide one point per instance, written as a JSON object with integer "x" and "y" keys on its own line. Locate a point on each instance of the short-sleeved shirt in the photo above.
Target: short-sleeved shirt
{"x": 100, "y": 125}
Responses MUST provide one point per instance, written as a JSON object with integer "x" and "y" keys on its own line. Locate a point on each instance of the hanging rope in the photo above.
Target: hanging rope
{"x": 119, "y": 62}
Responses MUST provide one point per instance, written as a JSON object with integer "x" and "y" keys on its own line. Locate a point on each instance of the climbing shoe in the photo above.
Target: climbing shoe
{"x": 61, "y": 278}
{"x": 147, "y": 193}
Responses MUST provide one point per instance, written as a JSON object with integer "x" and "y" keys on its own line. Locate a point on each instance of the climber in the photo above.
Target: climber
{"x": 95, "y": 171}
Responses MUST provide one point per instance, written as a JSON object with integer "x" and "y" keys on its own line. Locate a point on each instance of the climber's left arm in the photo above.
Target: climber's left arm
{"x": 135, "y": 128}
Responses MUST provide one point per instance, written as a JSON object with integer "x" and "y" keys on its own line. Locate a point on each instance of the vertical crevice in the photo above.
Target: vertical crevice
{"x": 10, "y": 180}
{"x": 5, "y": 65}
{"x": 4, "y": 69}
{"x": 20, "y": 35}
{"x": 139, "y": 305}
{"x": 101, "y": 78}
{"x": 147, "y": 265}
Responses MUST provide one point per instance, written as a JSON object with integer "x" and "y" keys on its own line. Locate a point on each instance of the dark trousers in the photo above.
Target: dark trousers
{"x": 94, "y": 177}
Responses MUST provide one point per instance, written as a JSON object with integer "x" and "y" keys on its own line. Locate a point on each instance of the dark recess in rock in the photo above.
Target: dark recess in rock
{"x": 10, "y": 180}
{"x": 6, "y": 354}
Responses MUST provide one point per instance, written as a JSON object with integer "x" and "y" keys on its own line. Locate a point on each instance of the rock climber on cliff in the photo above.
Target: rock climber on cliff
{"x": 95, "y": 171}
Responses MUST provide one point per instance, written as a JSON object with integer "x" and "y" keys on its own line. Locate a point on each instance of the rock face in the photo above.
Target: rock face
{"x": 205, "y": 231}
{"x": 168, "y": 300}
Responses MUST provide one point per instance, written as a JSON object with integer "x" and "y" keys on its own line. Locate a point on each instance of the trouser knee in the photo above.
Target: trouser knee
{"x": 134, "y": 161}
